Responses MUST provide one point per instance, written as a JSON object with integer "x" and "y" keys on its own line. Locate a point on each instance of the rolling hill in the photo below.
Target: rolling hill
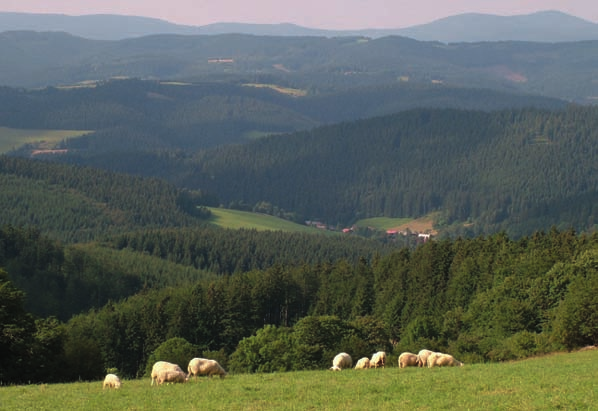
{"x": 316, "y": 64}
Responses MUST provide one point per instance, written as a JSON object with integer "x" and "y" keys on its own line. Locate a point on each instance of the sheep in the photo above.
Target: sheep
{"x": 378, "y": 360}
{"x": 423, "y": 357}
{"x": 111, "y": 381}
{"x": 203, "y": 366}
{"x": 443, "y": 360}
{"x": 163, "y": 365}
{"x": 342, "y": 360}
{"x": 408, "y": 359}
{"x": 363, "y": 363}
{"x": 173, "y": 376}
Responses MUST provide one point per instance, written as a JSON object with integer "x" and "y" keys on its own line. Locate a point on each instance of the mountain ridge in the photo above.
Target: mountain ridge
{"x": 466, "y": 27}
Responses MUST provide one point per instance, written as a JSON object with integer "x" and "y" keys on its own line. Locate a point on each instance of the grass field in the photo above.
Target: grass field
{"x": 12, "y": 138}
{"x": 555, "y": 382}
{"x": 382, "y": 223}
{"x": 235, "y": 219}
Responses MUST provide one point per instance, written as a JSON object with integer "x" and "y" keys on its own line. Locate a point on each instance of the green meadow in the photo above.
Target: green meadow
{"x": 555, "y": 382}
{"x": 12, "y": 138}
{"x": 236, "y": 219}
{"x": 382, "y": 223}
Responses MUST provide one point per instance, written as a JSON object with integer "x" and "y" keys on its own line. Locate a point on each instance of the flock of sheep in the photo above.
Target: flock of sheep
{"x": 166, "y": 372}
{"x": 425, "y": 358}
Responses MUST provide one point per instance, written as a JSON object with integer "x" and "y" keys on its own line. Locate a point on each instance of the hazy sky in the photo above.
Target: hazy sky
{"x": 329, "y": 14}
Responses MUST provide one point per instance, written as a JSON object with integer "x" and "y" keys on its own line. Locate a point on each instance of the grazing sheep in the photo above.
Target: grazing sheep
{"x": 163, "y": 365}
{"x": 173, "y": 376}
{"x": 363, "y": 364}
{"x": 443, "y": 360}
{"x": 111, "y": 381}
{"x": 408, "y": 359}
{"x": 203, "y": 366}
{"x": 423, "y": 357}
{"x": 342, "y": 360}
{"x": 378, "y": 360}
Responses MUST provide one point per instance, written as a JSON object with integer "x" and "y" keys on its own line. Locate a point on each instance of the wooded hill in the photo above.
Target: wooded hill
{"x": 81, "y": 204}
{"x": 135, "y": 115}
{"x": 562, "y": 70}
{"x": 513, "y": 170}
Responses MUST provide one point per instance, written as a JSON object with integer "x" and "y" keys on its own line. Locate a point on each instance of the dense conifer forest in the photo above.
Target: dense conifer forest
{"x": 514, "y": 170}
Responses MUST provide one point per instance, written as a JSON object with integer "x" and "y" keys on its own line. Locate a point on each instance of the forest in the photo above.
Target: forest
{"x": 563, "y": 70}
{"x": 488, "y": 298}
{"x": 509, "y": 170}
{"x": 109, "y": 259}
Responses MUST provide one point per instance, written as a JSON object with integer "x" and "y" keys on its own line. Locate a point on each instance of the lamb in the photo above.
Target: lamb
{"x": 378, "y": 359}
{"x": 408, "y": 359}
{"x": 340, "y": 361}
{"x": 163, "y": 365}
{"x": 443, "y": 360}
{"x": 363, "y": 363}
{"x": 111, "y": 381}
{"x": 203, "y": 366}
{"x": 423, "y": 357}
{"x": 173, "y": 376}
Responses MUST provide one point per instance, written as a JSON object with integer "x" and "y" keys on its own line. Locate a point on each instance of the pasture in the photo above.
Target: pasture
{"x": 12, "y": 138}
{"x": 559, "y": 381}
{"x": 236, "y": 219}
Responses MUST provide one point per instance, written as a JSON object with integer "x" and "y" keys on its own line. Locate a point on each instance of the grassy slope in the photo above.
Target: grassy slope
{"x": 242, "y": 219}
{"x": 560, "y": 381}
{"x": 12, "y": 138}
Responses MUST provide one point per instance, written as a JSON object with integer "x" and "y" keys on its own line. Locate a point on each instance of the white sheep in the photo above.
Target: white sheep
{"x": 172, "y": 376}
{"x": 423, "y": 357}
{"x": 111, "y": 381}
{"x": 378, "y": 360}
{"x": 408, "y": 359}
{"x": 163, "y": 365}
{"x": 203, "y": 366}
{"x": 340, "y": 361}
{"x": 363, "y": 363}
{"x": 443, "y": 360}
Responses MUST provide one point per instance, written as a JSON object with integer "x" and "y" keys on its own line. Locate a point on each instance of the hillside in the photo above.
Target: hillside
{"x": 155, "y": 129}
{"x": 515, "y": 170}
{"x": 318, "y": 64}
{"x": 272, "y": 302}
{"x": 514, "y": 385}
{"x": 81, "y": 204}
{"x": 132, "y": 117}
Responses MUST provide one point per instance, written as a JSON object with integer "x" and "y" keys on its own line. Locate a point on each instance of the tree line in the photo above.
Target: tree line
{"x": 489, "y": 298}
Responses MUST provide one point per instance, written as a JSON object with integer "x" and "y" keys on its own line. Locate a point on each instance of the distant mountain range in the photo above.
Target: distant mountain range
{"x": 564, "y": 70}
{"x": 545, "y": 26}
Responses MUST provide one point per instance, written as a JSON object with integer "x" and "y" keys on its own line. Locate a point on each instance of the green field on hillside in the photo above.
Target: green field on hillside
{"x": 13, "y": 138}
{"x": 235, "y": 219}
{"x": 559, "y": 381}
{"x": 382, "y": 223}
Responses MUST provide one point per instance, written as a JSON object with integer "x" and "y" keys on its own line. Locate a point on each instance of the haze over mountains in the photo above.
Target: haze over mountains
{"x": 545, "y": 26}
